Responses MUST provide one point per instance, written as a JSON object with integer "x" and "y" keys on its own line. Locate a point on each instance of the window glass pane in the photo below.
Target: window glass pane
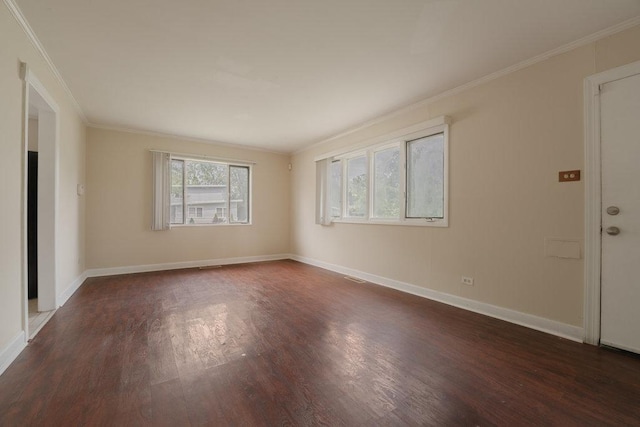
{"x": 425, "y": 177}
{"x": 335, "y": 189}
{"x": 239, "y": 203}
{"x": 386, "y": 175}
{"x": 206, "y": 190}
{"x": 357, "y": 187}
{"x": 177, "y": 190}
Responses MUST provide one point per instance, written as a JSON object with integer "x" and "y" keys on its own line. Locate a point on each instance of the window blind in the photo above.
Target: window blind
{"x": 161, "y": 183}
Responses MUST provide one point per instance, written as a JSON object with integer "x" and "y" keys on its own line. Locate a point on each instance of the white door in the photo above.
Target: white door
{"x": 620, "y": 151}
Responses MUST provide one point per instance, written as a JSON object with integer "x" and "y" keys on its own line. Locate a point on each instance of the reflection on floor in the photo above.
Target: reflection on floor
{"x": 285, "y": 343}
{"x": 36, "y": 319}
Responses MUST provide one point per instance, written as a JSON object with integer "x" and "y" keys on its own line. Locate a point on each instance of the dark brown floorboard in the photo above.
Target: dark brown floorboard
{"x": 282, "y": 343}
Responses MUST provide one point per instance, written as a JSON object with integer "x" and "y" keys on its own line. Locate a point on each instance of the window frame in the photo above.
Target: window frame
{"x": 399, "y": 139}
{"x": 227, "y": 204}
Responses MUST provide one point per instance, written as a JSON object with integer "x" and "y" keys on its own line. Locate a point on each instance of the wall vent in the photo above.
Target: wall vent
{"x": 355, "y": 279}
{"x": 208, "y": 267}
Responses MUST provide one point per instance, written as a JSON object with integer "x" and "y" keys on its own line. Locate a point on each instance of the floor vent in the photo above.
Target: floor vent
{"x": 209, "y": 267}
{"x": 355, "y": 279}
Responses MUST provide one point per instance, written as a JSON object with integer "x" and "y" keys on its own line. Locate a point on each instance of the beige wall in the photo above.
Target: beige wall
{"x": 119, "y": 205}
{"x": 14, "y": 48}
{"x": 509, "y": 138}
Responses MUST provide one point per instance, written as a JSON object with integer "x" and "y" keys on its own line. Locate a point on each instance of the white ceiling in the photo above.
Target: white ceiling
{"x": 283, "y": 74}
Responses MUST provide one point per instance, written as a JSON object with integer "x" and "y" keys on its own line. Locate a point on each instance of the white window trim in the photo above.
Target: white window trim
{"x": 434, "y": 222}
{"x": 369, "y": 148}
{"x": 219, "y": 160}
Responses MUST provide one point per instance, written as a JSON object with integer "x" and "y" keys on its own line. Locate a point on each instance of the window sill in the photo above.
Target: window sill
{"x": 442, "y": 223}
{"x": 238, "y": 224}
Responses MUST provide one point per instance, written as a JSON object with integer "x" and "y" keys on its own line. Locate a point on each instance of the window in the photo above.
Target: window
{"x": 239, "y": 199}
{"x": 386, "y": 183}
{"x": 177, "y": 192}
{"x": 221, "y": 212}
{"x": 335, "y": 189}
{"x": 195, "y": 212}
{"x": 401, "y": 180}
{"x": 357, "y": 187}
{"x": 425, "y": 177}
{"x": 204, "y": 191}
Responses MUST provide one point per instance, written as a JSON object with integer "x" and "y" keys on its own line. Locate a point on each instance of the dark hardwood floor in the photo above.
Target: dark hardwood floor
{"x": 282, "y": 343}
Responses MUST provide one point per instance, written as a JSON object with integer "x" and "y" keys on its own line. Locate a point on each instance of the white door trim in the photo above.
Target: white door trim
{"x": 36, "y": 95}
{"x": 593, "y": 196}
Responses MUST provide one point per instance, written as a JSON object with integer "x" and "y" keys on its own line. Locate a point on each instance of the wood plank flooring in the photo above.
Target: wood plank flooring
{"x": 282, "y": 343}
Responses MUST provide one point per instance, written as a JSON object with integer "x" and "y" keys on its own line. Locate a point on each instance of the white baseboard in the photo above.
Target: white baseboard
{"x": 542, "y": 324}
{"x": 9, "y": 353}
{"x": 66, "y": 294}
{"x": 95, "y": 272}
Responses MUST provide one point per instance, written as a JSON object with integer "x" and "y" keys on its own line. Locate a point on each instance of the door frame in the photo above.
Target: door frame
{"x": 35, "y": 95}
{"x": 593, "y": 196}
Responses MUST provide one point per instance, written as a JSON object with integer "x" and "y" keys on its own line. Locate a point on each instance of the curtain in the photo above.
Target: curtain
{"x": 322, "y": 192}
{"x": 161, "y": 188}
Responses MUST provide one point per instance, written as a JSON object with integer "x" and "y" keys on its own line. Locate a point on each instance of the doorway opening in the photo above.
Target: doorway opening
{"x": 39, "y": 204}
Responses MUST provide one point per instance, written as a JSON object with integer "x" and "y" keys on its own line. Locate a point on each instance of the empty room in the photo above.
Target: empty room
{"x": 343, "y": 213}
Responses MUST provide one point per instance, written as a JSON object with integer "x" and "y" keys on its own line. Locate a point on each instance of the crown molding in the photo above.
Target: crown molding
{"x": 31, "y": 35}
{"x": 157, "y": 134}
{"x": 482, "y": 80}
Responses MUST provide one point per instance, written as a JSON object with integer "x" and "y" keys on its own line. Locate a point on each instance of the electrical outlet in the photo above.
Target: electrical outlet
{"x": 467, "y": 281}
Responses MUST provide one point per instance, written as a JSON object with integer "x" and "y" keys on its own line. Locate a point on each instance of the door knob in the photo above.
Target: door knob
{"x": 613, "y": 231}
{"x": 613, "y": 210}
